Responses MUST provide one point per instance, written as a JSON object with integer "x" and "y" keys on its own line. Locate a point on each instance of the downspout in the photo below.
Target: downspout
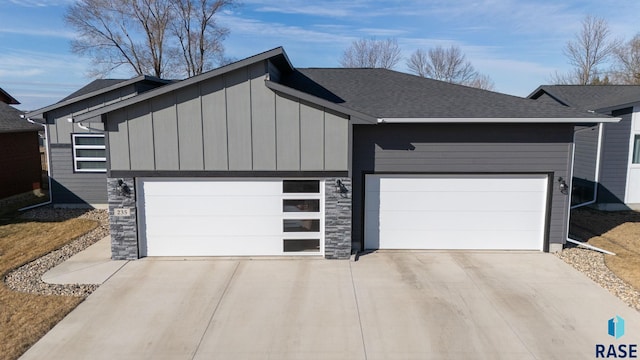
{"x": 596, "y": 179}
{"x": 591, "y": 247}
{"x": 46, "y": 150}
{"x": 595, "y": 193}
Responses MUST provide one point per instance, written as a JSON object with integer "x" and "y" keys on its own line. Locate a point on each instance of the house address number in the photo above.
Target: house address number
{"x": 121, "y": 212}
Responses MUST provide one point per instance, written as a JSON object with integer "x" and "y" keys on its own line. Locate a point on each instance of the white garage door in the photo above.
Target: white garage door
{"x": 455, "y": 211}
{"x": 231, "y": 217}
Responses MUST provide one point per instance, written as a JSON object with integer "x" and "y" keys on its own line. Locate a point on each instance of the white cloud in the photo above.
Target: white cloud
{"x": 29, "y": 31}
{"x": 41, "y": 3}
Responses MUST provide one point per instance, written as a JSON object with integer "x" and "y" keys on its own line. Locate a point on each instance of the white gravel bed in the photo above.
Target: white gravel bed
{"x": 591, "y": 263}
{"x": 28, "y": 278}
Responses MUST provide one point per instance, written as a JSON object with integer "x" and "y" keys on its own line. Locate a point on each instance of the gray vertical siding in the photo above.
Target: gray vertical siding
{"x": 584, "y": 162}
{"x": 162, "y": 135}
{"x": 232, "y": 122}
{"x": 615, "y": 158}
{"x": 586, "y": 152}
{"x": 190, "y": 129}
{"x": 287, "y": 133}
{"x": 214, "y": 125}
{"x": 464, "y": 148}
{"x": 74, "y": 188}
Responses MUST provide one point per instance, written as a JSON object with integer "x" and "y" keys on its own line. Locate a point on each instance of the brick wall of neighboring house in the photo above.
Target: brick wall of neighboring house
{"x": 20, "y": 165}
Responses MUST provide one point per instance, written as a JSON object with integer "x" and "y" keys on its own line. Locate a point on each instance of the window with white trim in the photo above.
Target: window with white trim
{"x": 89, "y": 153}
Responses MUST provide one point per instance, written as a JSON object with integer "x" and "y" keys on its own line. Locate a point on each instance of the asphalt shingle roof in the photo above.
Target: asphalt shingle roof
{"x": 10, "y": 120}
{"x": 93, "y": 86}
{"x": 592, "y": 97}
{"x": 385, "y": 93}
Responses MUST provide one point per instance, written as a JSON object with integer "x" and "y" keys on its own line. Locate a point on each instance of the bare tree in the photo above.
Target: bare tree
{"x": 626, "y": 68}
{"x": 149, "y": 36}
{"x": 591, "y": 48}
{"x": 372, "y": 53}
{"x": 198, "y": 34}
{"x": 448, "y": 65}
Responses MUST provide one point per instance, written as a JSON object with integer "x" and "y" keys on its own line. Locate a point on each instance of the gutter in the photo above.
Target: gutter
{"x": 46, "y": 150}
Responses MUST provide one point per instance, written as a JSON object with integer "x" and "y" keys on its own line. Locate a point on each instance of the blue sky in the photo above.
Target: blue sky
{"x": 518, "y": 43}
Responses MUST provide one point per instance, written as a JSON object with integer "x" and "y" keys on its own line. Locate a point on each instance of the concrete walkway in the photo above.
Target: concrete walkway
{"x": 387, "y": 305}
{"x": 91, "y": 266}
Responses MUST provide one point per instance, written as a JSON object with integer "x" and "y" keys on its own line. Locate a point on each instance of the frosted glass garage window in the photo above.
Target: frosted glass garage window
{"x": 89, "y": 153}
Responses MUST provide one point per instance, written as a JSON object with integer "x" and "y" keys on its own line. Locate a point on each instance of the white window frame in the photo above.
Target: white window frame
{"x": 77, "y": 159}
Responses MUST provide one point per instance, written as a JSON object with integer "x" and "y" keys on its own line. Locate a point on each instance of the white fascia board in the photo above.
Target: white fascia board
{"x": 497, "y": 120}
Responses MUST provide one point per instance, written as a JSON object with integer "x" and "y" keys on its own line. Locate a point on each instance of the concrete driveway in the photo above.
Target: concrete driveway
{"x": 386, "y": 305}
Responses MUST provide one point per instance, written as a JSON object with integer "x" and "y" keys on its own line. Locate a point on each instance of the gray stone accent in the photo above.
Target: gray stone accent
{"x": 337, "y": 223}
{"x": 124, "y": 229}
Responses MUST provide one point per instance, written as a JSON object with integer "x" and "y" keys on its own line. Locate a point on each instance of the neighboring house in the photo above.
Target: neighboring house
{"x": 260, "y": 158}
{"x": 20, "y": 164}
{"x": 605, "y": 154}
{"x": 77, "y": 153}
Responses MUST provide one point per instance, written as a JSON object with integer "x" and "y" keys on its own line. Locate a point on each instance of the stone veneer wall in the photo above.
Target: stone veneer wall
{"x": 337, "y": 223}
{"x": 124, "y": 229}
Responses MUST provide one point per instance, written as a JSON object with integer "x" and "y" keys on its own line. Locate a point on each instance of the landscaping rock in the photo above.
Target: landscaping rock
{"x": 28, "y": 278}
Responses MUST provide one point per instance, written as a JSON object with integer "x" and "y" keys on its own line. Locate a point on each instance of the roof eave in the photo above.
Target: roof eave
{"x": 58, "y": 105}
{"x": 498, "y": 120}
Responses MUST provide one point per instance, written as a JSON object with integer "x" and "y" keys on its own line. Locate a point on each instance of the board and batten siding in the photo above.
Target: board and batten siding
{"x": 74, "y": 188}
{"x": 231, "y": 122}
{"x": 615, "y": 158}
{"x": 465, "y": 148}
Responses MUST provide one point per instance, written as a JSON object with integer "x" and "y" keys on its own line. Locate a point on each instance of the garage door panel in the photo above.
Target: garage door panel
{"x": 181, "y": 188}
{"x": 452, "y": 201}
{"x": 202, "y": 245}
{"x": 463, "y": 220}
{"x": 461, "y": 183}
{"x": 227, "y": 226}
{"x": 455, "y": 211}
{"x": 459, "y": 240}
{"x": 249, "y": 206}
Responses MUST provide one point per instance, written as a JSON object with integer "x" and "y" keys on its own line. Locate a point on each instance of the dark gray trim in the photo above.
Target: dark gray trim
{"x": 60, "y": 146}
{"x": 278, "y": 174}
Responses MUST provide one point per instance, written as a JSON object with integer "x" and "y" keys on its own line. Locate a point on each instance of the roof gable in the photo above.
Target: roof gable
{"x": 599, "y": 98}
{"x": 7, "y": 99}
{"x": 277, "y": 56}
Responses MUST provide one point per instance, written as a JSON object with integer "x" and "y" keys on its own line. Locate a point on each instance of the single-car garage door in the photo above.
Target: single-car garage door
{"x": 501, "y": 212}
{"x": 230, "y": 217}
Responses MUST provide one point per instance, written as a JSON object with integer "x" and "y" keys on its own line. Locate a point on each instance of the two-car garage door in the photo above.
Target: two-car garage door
{"x": 455, "y": 211}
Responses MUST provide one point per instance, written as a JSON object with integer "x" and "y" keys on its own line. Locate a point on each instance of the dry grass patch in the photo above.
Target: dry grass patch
{"x": 618, "y": 232}
{"x": 25, "y": 318}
